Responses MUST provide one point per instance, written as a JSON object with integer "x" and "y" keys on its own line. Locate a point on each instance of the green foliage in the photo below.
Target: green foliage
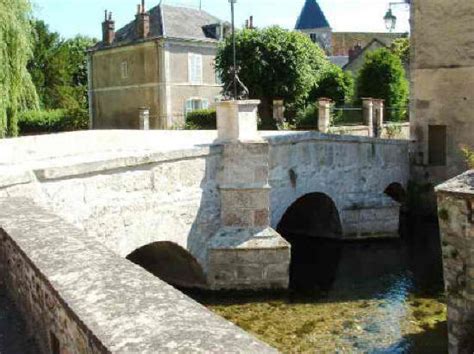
{"x": 383, "y": 76}
{"x": 59, "y": 68}
{"x": 401, "y": 48}
{"x": 52, "y": 121}
{"x": 17, "y": 91}
{"x": 307, "y": 118}
{"x": 203, "y": 119}
{"x": 468, "y": 155}
{"x": 335, "y": 84}
{"x": 274, "y": 63}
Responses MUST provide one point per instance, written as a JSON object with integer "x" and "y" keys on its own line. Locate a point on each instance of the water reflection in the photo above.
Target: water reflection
{"x": 366, "y": 296}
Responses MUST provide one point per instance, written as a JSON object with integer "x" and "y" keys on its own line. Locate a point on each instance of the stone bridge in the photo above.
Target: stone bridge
{"x": 209, "y": 203}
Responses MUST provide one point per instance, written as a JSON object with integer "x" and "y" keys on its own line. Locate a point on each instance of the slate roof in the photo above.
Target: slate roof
{"x": 170, "y": 21}
{"x": 339, "y": 60}
{"x": 311, "y": 17}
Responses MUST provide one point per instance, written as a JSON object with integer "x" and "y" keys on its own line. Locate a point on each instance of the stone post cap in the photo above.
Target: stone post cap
{"x": 237, "y": 121}
{"x": 143, "y": 109}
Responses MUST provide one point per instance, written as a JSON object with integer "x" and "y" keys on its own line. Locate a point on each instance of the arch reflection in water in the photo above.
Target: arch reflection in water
{"x": 311, "y": 220}
{"x": 171, "y": 263}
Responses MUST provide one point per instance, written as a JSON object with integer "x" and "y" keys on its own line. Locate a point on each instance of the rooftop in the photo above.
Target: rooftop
{"x": 172, "y": 22}
{"x": 311, "y": 17}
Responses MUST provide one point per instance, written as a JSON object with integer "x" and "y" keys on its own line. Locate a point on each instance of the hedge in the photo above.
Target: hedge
{"x": 52, "y": 121}
{"x": 202, "y": 119}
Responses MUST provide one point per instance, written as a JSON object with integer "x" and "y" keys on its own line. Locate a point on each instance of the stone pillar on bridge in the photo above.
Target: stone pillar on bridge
{"x": 144, "y": 118}
{"x": 279, "y": 111}
{"x": 456, "y": 221}
{"x": 378, "y": 117}
{"x": 324, "y": 117}
{"x": 368, "y": 114}
{"x": 246, "y": 253}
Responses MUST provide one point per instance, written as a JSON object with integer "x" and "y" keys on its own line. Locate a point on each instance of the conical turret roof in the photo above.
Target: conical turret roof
{"x": 311, "y": 16}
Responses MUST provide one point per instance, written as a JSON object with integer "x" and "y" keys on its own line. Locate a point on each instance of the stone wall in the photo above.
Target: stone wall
{"x": 442, "y": 76}
{"x": 79, "y": 297}
{"x": 390, "y": 130}
{"x": 456, "y": 219}
{"x": 353, "y": 171}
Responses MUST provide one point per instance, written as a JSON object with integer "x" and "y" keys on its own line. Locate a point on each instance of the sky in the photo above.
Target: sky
{"x": 71, "y": 17}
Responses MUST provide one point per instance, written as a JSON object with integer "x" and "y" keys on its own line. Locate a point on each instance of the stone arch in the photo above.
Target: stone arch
{"x": 313, "y": 227}
{"x": 171, "y": 263}
{"x": 314, "y": 215}
{"x": 396, "y": 192}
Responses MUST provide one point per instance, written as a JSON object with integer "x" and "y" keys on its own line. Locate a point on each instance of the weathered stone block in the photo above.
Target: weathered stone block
{"x": 254, "y": 249}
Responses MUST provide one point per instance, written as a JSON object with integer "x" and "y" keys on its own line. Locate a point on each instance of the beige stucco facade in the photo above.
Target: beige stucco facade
{"x": 442, "y": 111}
{"x": 154, "y": 74}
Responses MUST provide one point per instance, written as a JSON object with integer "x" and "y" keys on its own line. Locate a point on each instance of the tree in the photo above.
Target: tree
{"x": 17, "y": 91}
{"x": 335, "y": 84}
{"x": 401, "y": 48}
{"x": 383, "y": 76}
{"x": 47, "y": 66}
{"x": 59, "y": 68}
{"x": 274, "y": 63}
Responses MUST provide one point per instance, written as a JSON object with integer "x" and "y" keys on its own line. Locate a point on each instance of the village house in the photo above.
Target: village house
{"x": 162, "y": 60}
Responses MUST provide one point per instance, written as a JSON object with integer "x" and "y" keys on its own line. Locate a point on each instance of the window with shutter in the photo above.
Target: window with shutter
{"x": 194, "y": 104}
{"x": 195, "y": 68}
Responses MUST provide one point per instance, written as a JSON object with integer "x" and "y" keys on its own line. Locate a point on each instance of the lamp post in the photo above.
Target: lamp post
{"x": 234, "y": 49}
{"x": 233, "y": 87}
{"x": 390, "y": 19}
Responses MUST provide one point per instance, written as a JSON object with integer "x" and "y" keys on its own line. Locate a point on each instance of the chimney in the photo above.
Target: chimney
{"x": 247, "y": 24}
{"x": 142, "y": 21}
{"x": 251, "y": 22}
{"x": 108, "y": 29}
{"x": 355, "y": 51}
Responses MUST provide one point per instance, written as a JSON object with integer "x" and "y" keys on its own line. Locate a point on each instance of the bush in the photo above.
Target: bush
{"x": 307, "y": 118}
{"x": 383, "y": 76}
{"x": 468, "y": 155}
{"x": 52, "y": 121}
{"x": 202, "y": 119}
{"x": 335, "y": 84}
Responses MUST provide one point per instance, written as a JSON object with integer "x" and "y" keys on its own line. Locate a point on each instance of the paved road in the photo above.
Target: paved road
{"x": 13, "y": 338}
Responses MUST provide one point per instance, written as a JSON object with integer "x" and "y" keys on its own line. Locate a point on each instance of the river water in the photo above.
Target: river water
{"x": 377, "y": 296}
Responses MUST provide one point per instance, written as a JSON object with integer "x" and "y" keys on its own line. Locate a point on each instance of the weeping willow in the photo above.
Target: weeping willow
{"x": 17, "y": 91}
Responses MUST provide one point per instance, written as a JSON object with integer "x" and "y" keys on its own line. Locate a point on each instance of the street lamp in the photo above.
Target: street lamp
{"x": 390, "y": 19}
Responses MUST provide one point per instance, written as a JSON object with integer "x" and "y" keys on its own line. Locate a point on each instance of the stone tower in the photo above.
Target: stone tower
{"x": 313, "y": 22}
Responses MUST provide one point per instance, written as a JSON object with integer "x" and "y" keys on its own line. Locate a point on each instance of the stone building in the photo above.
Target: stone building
{"x": 338, "y": 45}
{"x": 442, "y": 74}
{"x": 163, "y": 60}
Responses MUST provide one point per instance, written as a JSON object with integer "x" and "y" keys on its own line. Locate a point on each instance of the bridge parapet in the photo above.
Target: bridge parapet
{"x": 80, "y": 297}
